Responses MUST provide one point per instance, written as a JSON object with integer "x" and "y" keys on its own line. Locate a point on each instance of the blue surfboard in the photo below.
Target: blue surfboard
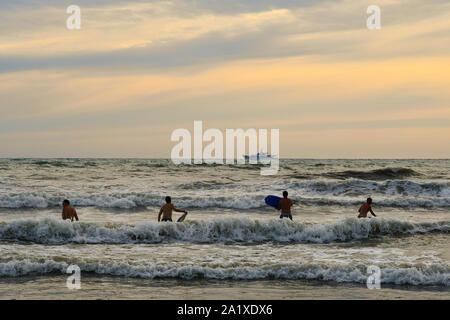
{"x": 272, "y": 201}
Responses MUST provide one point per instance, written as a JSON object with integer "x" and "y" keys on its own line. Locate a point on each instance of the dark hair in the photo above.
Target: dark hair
{"x": 285, "y": 194}
{"x": 66, "y": 201}
{"x": 168, "y": 199}
{"x": 369, "y": 199}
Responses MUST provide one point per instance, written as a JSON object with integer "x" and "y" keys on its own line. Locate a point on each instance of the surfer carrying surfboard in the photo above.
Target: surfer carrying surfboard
{"x": 166, "y": 211}
{"x": 285, "y": 205}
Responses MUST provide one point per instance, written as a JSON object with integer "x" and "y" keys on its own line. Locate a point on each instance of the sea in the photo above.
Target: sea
{"x": 231, "y": 245}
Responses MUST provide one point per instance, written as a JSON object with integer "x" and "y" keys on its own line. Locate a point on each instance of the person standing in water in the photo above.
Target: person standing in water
{"x": 166, "y": 210}
{"x": 68, "y": 211}
{"x": 285, "y": 205}
{"x": 365, "y": 208}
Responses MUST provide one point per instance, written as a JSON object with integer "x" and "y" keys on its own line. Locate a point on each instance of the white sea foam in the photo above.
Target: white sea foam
{"x": 53, "y": 231}
{"x": 390, "y": 187}
{"x": 438, "y": 274}
{"x": 389, "y": 194}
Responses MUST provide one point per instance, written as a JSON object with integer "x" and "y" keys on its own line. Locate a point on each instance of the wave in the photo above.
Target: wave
{"x": 49, "y": 230}
{"x": 397, "y": 202}
{"x": 376, "y": 174}
{"x": 127, "y": 201}
{"x": 234, "y": 195}
{"x": 209, "y": 185}
{"x": 359, "y": 187}
{"x": 63, "y": 163}
{"x": 412, "y": 274}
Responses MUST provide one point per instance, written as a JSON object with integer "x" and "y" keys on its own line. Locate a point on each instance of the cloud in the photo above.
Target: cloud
{"x": 159, "y": 35}
{"x": 238, "y": 90}
{"x": 138, "y": 70}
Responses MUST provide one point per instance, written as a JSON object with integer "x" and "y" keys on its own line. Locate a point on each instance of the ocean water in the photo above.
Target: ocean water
{"x": 231, "y": 245}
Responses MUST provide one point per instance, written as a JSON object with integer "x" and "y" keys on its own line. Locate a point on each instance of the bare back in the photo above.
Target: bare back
{"x": 364, "y": 210}
{"x": 285, "y": 205}
{"x": 167, "y": 210}
{"x": 69, "y": 213}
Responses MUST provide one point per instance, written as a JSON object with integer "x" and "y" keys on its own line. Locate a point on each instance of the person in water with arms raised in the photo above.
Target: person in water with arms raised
{"x": 285, "y": 205}
{"x": 166, "y": 210}
{"x": 365, "y": 208}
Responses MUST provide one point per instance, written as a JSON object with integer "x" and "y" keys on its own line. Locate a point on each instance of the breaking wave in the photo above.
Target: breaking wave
{"x": 126, "y": 201}
{"x": 49, "y": 230}
{"x": 411, "y": 274}
{"x": 376, "y": 174}
{"x": 396, "y": 193}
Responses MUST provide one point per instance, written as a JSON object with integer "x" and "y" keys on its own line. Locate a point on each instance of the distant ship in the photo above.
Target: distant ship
{"x": 260, "y": 156}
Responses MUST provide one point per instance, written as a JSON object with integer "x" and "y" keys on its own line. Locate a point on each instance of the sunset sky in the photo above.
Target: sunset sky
{"x": 137, "y": 70}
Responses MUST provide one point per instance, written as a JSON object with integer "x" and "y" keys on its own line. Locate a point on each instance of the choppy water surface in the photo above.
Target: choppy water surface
{"x": 230, "y": 236}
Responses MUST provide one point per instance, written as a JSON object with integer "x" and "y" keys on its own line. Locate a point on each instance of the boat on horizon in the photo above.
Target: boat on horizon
{"x": 260, "y": 156}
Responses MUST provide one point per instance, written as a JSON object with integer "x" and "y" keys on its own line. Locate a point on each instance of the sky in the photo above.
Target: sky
{"x": 138, "y": 70}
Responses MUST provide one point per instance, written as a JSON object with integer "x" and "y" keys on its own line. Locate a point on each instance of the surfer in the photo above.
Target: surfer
{"x": 166, "y": 210}
{"x": 365, "y": 208}
{"x": 285, "y": 205}
{"x": 68, "y": 211}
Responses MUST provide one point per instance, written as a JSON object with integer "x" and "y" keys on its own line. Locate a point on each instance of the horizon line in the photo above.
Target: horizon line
{"x": 145, "y": 158}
